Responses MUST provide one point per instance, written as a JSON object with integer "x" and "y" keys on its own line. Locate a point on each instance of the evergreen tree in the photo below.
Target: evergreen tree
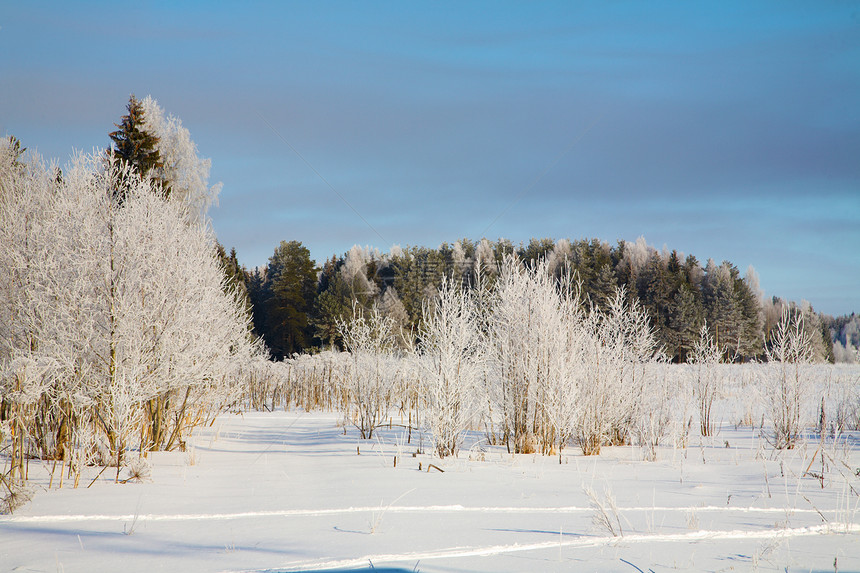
{"x": 721, "y": 310}
{"x": 536, "y": 250}
{"x": 288, "y": 297}
{"x": 685, "y": 321}
{"x": 826, "y": 340}
{"x": 624, "y": 272}
{"x": 678, "y": 295}
{"x": 656, "y": 291}
{"x": 255, "y": 282}
{"x": 417, "y": 276}
{"x": 693, "y": 273}
{"x": 604, "y": 285}
{"x": 233, "y": 272}
{"x": 133, "y": 145}
{"x": 236, "y": 276}
{"x": 502, "y": 248}
{"x": 751, "y": 339}
{"x": 333, "y": 303}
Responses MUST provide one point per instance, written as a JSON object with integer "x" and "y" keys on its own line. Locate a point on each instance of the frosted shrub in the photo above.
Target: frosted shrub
{"x": 838, "y": 385}
{"x": 370, "y": 340}
{"x": 705, "y": 376}
{"x": 264, "y": 384}
{"x": 786, "y": 384}
{"x": 655, "y": 409}
{"x": 619, "y": 392}
{"x": 680, "y": 402}
{"x": 847, "y": 411}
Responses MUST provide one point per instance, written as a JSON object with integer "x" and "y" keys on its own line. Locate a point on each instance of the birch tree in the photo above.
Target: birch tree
{"x": 530, "y": 339}
{"x": 183, "y": 171}
{"x": 370, "y": 340}
{"x": 703, "y": 359}
{"x": 115, "y": 313}
{"x": 449, "y": 365}
{"x": 786, "y": 383}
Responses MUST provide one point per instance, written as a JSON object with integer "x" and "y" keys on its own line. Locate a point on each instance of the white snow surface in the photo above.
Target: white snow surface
{"x": 289, "y": 491}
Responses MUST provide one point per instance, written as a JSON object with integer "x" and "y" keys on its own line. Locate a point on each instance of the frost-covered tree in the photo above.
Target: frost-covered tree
{"x": 511, "y": 352}
{"x": 532, "y": 345}
{"x": 703, "y": 359}
{"x": 355, "y": 273}
{"x": 120, "y": 331}
{"x": 369, "y": 338}
{"x": 786, "y": 382}
{"x": 27, "y": 372}
{"x": 634, "y": 258}
{"x": 561, "y": 344}
{"x": 486, "y": 257}
{"x": 185, "y": 174}
{"x": 463, "y": 263}
{"x": 845, "y": 336}
{"x": 559, "y": 257}
{"x": 449, "y": 365}
{"x": 617, "y": 389}
{"x": 391, "y": 306}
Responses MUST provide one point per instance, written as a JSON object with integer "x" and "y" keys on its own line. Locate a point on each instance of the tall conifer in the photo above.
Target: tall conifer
{"x": 132, "y": 144}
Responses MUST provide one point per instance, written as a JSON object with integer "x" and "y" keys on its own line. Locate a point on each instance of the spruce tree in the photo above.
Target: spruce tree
{"x": 410, "y": 280}
{"x": 722, "y": 308}
{"x": 289, "y": 292}
{"x": 132, "y": 144}
{"x": 255, "y": 282}
{"x": 333, "y": 303}
{"x": 536, "y": 250}
{"x": 685, "y": 321}
{"x": 751, "y": 336}
{"x": 237, "y": 277}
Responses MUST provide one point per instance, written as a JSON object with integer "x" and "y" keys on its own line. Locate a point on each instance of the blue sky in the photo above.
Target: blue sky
{"x": 729, "y": 130}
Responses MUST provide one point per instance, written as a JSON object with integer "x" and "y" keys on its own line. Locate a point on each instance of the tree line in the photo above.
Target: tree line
{"x": 296, "y": 305}
{"x": 524, "y": 360}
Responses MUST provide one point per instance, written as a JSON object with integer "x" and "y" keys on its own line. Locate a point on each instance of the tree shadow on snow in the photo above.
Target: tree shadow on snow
{"x": 312, "y": 442}
{"x": 555, "y": 533}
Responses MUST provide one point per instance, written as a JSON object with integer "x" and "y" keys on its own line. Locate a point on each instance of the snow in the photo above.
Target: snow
{"x": 293, "y": 491}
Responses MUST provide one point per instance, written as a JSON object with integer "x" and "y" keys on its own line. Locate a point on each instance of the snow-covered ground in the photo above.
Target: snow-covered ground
{"x": 289, "y": 491}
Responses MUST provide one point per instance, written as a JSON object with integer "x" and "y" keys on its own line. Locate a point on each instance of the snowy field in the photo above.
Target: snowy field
{"x": 289, "y": 491}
